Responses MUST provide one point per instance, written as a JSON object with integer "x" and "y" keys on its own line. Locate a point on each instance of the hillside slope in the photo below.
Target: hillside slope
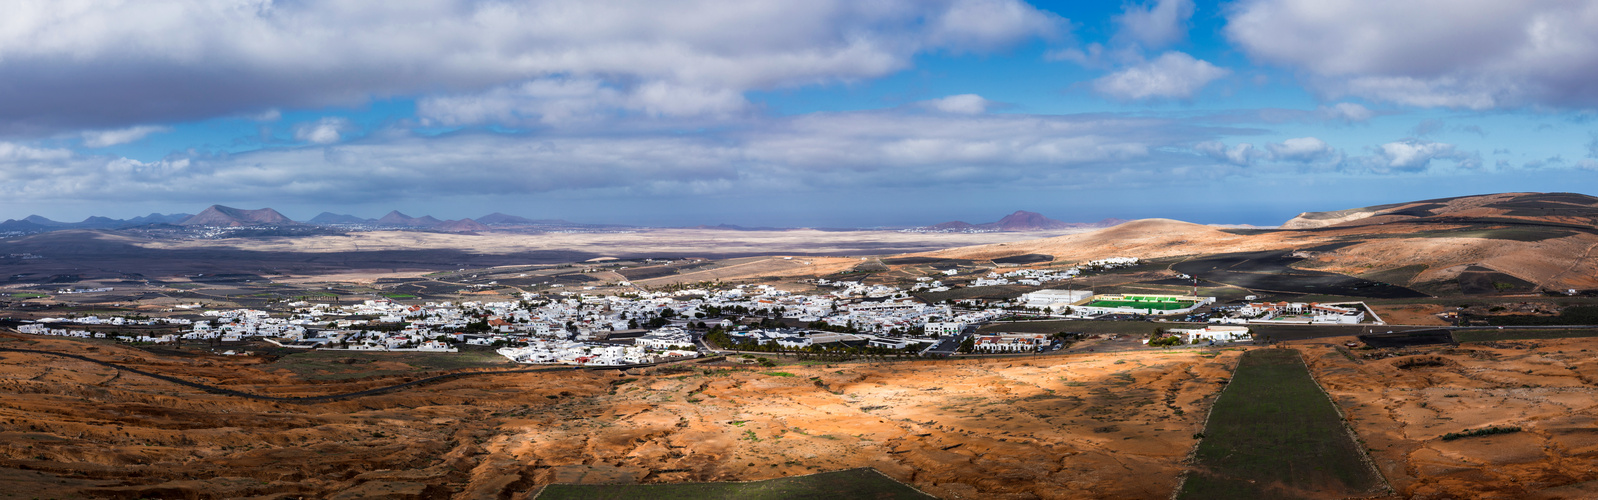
{"x": 1545, "y": 239}
{"x": 1146, "y": 238}
{"x": 220, "y": 216}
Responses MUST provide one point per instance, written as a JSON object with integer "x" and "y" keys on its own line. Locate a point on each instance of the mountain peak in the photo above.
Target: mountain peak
{"x": 332, "y": 218}
{"x": 1022, "y": 220}
{"x": 501, "y": 218}
{"x": 40, "y": 220}
{"x": 220, "y": 216}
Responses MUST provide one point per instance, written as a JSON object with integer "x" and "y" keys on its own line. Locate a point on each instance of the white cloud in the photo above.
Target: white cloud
{"x": 1157, "y": 25}
{"x": 1241, "y": 154}
{"x": 969, "y": 104}
{"x": 1302, "y": 150}
{"x": 270, "y": 115}
{"x": 571, "y": 101}
{"x": 103, "y": 138}
{"x": 1173, "y": 75}
{"x": 1414, "y": 156}
{"x": 1346, "y": 112}
{"x": 1305, "y": 151}
{"x": 1475, "y": 54}
{"x": 75, "y": 64}
{"x": 968, "y": 25}
{"x": 806, "y": 153}
{"x": 324, "y": 131}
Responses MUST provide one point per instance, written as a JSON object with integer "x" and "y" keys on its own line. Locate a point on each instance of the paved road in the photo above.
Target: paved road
{"x": 948, "y": 345}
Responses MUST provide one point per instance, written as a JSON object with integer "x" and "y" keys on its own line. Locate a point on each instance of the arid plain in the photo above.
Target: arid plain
{"x": 1052, "y": 427}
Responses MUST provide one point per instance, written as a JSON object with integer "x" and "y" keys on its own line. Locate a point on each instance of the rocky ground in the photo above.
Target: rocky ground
{"x": 1402, "y": 403}
{"x": 1092, "y": 425}
{"x": 1076, "y": 426}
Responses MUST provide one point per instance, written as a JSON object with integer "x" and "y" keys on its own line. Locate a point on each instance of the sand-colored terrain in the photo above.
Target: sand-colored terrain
{"x": 1410, "y": 314}
{"x": 1402, "y": 406}
{"x": 1147, "y": 238}
{"x": 641, "y": 242}
{"x": 759, "y": 267}
{"x": 1554, "y": 263}
{"x": 1105, "y": 426}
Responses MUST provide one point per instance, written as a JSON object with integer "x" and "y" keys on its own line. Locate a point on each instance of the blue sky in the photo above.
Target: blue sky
{"x": 826, "y": 113}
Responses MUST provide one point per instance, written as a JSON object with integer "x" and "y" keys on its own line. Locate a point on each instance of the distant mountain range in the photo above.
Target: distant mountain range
{"x": 37, "y": 224}
{"x": 1022, "y": 220}
{"x": 220, "y": 216}
{"x": 223, "y": 216}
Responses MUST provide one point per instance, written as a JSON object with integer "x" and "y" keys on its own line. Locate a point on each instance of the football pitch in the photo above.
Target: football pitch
{"x": 1158, "y": 304}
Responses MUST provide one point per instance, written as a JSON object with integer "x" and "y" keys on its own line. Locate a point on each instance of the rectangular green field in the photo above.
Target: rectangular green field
{"x": 1158, "y": 305}
{"x": 1274, "y": 434}
{"x": 1091, "y": 327}
{"x": 853, "y": 484}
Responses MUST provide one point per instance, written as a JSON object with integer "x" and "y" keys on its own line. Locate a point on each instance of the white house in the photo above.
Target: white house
{"x": 1214, "y": 333}
{"x": 1048, "y": 298}
{"x": 943, "y": 328}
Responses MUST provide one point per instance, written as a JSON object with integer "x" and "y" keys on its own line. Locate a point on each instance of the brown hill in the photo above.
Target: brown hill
{"x": 1146, "y": 238}
{"x": 1543, "y": 208}
{"x": 395, "y": 218}
{"x": 1545, "y": 239}
{"x": 951, "y": 427}
{"x": 1023, "y": 220}
{"x": 220, "y": 216}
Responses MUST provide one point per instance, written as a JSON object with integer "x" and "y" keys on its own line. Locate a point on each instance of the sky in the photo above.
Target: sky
{"x": 815, "y": 113}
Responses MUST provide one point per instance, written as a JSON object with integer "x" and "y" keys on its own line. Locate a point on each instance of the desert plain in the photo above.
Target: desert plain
{"x": 1054, "y": 427}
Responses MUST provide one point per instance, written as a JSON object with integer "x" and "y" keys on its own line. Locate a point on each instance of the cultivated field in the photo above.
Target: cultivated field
{"x": 1273, "y": 434}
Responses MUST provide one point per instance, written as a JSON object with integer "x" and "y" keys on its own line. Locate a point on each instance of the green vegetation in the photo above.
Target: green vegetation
{"x": 1519, "y": 334}
{"x": 780, "y": 374}
{"x": 1158, "y": 304}
{"x": 399, "y": 296}
{"x": 28, "y": 295}
{"x": 1273, "y": 433}
{"x": 1486, "y": 431}
{"x": 843, "y": 485}
{"x": 1090, "y": 327}
{"x": 1165, "y": 341}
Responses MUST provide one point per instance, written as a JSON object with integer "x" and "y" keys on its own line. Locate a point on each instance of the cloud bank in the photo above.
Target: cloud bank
{"x": 117, "y": 64}
{"x": 1470, "y": 54}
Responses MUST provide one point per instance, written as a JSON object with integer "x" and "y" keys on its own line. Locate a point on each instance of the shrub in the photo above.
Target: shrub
{"x": 1485, "y": 431}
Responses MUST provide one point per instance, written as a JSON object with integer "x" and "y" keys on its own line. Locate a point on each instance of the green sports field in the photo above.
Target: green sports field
{"x": 1155, "y": 303}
